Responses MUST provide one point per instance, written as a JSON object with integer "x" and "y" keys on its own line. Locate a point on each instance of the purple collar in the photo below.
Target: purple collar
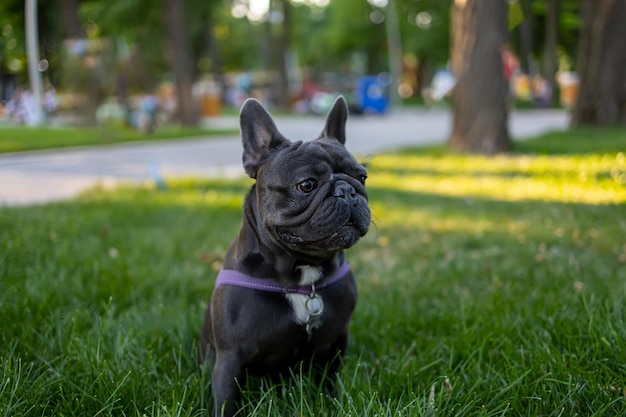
{"x": 238, "y": 279}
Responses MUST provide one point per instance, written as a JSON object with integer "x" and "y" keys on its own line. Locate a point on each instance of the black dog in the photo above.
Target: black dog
{"x": 285, "y": 294}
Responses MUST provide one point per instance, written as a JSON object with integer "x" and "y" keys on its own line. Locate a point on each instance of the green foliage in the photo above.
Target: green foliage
{"x": 12, "y": 39}
{"x": 317, "y": 48}
{"x": 325, "y": 38}
{"x": 349, "y": 30}
{"x": 431, "y": 42}
{"x": 568, "y": 29}
{"x": 515, "y": 14}
{"x": 141, "y": 40}
{"x": 488, "y": 286}
{"x": 240, "y": 42}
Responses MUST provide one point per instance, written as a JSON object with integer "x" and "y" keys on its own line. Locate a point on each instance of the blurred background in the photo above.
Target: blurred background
{"x": 145, "y": 63}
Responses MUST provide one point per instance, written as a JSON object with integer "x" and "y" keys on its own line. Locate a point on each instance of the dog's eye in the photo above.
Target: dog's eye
{"x": 362, "y": 178}
{"x": 307, "y": 186}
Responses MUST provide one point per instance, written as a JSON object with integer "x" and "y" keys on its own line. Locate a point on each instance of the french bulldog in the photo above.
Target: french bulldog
{"x": 285, "y": 294}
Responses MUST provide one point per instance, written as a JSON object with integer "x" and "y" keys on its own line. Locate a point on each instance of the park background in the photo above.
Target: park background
{"x": 493, "y": 281}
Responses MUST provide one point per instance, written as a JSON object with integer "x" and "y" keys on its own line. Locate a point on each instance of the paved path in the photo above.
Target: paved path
{"x": 41, "y": 176}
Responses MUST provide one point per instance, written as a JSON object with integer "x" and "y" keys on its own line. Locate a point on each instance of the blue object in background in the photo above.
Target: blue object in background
{"x": 371, "y": 94}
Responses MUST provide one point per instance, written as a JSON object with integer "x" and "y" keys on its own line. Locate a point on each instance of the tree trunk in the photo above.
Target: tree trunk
{"x": 70, "y": 22}
{"x": 215, "y": 55}
{"x": 602, "y": 64}
{"x": 526, "y": 35}
{"x": 421, "y": 75}
{"x": 284, "y": 43}
{"x": 479, "y": 99}
{"x": 551, "y": 64}
{"x": 394, "y": 48}
{"x": 180, "y": 59}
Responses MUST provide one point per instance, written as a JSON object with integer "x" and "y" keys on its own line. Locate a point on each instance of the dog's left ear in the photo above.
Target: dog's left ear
{"x": 259, "y": 135}
{"x": 336, "y": 121}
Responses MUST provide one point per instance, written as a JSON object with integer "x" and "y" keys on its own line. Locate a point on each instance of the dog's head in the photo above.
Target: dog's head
{"x": 311, "y": 196}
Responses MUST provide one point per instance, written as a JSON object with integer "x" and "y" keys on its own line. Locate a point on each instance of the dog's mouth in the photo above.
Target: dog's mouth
{"x": 340, "y": 237}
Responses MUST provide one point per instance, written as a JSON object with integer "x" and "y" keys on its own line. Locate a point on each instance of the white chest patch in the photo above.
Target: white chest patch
{"x": 308, "y": 276}
{"x": 298, "y": 307}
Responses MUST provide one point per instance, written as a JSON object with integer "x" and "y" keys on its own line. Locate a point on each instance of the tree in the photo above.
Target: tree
{"x": 526, "y": 36}
{"x": 283, "y": 48}
{"x": 180, "y": 59}
{"x": 70, "y": 21}
{"x": 349, "y": 29}
{"x": 12, "y": 46}
{"x": 602, "y": 64}
{"x": 551, "y": 42}
{"x": 479, "y": 100}
{"x": 211, "y": 44}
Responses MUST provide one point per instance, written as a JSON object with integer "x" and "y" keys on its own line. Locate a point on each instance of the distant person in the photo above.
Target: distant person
{"x": 148, "y": 109}
{"x": 30, "y": 107}
{"x": 542, "y": 91}
{"x": 244, "y": 83}
{"x": 15, "y": 108}
{"x": 442, "y": 84}
{"x": 509, "y": 68}
{"x": 49, "y": 102}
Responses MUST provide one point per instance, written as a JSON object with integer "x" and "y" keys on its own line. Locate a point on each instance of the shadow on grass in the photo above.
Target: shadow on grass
{"x": 579, "y": 141}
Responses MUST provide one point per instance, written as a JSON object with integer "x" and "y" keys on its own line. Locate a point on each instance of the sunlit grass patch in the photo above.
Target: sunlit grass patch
{"x": 505, "y": 165}
{"x": 511, "y": 189}
{"x": 596, "y": 179}
{"x": 179, "y": 191}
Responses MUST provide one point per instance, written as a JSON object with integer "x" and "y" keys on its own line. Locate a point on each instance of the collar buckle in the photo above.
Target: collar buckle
{"x": 315, "y": 307}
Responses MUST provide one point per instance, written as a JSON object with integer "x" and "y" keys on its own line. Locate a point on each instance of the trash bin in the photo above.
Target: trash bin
{"x": 522, "y": 87}
{"x": 370, "y": 94}
{"x": 568, "y": 84}
{"x": 211, "y": 104}
{"x": 210, "y": 97}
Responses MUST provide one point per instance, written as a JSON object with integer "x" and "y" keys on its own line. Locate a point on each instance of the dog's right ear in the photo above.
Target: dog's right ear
{"x": 336, "y": 121}
{"x": 259, "y": 135}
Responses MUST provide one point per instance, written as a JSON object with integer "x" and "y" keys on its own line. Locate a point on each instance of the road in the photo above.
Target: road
{"x": 42, "y": 176}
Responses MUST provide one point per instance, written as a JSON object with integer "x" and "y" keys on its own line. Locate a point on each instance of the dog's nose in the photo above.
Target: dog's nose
{"x": 344, "y": 190}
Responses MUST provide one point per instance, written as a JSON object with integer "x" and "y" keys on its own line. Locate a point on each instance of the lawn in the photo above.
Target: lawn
{"x": 22, "y": 138}
{"x": 489, "y": 286}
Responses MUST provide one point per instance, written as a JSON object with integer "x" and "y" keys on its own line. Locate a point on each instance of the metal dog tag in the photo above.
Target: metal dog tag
{"x": 314, "y": 305}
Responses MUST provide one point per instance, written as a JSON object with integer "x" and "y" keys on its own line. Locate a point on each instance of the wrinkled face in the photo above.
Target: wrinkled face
{"x": 312, "y": 198}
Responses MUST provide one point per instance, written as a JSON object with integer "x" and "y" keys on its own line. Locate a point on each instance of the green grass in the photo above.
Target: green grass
{"x": 583, "y": 140}
{"x": 488, "y": 287}
{"x": 21, "y": 138}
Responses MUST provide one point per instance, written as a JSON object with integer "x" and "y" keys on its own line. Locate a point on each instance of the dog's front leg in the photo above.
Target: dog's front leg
{"x": 328, "y": 364}
{"x": 227, "y": 374}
